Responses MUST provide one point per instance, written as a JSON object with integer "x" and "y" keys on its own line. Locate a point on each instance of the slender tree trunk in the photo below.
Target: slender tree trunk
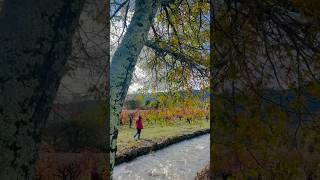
{"x": 124, "y": 61}
{"x": 36, "y": 39}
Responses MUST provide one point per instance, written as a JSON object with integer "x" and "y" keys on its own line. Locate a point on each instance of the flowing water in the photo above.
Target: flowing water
{"x": 180, "y": 161}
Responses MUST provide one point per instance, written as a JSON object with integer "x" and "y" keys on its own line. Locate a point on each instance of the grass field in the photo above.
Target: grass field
{"x": 153, "y": 133}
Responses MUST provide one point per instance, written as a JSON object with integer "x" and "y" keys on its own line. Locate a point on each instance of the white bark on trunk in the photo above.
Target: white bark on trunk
{"x": 124, "y": 61}
{"x": 36, "y": 39}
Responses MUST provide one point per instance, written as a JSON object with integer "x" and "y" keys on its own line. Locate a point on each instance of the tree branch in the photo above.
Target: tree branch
{"x": 181, "y": 57}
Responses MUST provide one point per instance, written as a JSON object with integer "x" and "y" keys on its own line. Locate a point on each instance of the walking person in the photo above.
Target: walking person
{"x": 139, "y": 126}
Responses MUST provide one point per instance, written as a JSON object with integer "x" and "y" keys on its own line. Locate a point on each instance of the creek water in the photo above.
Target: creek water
{"x": 180, "y": 161}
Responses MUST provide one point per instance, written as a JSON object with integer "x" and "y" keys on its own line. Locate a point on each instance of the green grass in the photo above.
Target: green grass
{"x": 157, "y": 132}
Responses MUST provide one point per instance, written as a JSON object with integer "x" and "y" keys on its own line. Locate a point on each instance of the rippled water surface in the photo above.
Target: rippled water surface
{"x": 180, "y": 161}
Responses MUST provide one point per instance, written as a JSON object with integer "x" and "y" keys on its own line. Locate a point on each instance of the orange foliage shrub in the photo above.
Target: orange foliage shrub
{"x": 168, "y": 114}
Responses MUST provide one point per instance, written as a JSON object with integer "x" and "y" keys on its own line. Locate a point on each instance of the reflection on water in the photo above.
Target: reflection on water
{"x": 178, "y": 162}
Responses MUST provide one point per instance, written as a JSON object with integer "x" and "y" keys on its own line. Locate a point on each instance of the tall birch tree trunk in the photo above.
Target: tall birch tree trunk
{"x": 124, "y": 61}
{"x": 36, "y": 39}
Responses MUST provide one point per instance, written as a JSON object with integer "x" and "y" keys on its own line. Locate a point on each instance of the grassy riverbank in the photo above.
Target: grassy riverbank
{"x": 153, "y": 137}
{"x": 156, "y": 137}
{"x": 154, "y": 133}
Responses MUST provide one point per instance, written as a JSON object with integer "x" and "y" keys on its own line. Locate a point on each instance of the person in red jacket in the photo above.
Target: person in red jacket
{"x": 139, "y": 126}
